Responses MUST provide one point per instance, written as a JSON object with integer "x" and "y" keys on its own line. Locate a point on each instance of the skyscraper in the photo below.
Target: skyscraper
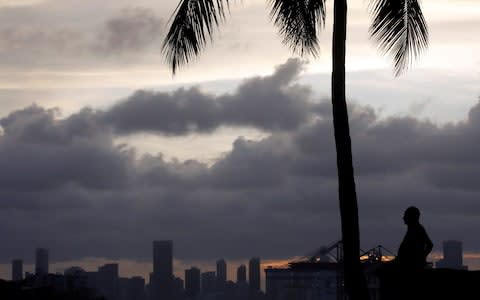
{"x": 163, "y": 259}
{"x": 41, "y": 261}
{"x": 192, "y": 282}
{"x": 161, "y": 280}
{"x": 17, "y": 269}
{"x": 221, "y": 273}
{"x": 242, "y": 274}
{"x": 107, "y": 281}
{"x": 208, "y": 282}
{"x": 254, "y": 274}
{"x": 453, "y": 253}
{"x": 452, "y": 256}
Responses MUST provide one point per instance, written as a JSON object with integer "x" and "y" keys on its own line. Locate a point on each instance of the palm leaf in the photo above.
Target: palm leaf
{"x": 400, "y": 30}
{"x": 298, "y": 21}
{"x": 192, "y": 25}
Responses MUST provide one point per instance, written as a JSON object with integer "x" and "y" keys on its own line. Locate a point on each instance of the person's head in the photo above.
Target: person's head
{"x": 411, "y": 215}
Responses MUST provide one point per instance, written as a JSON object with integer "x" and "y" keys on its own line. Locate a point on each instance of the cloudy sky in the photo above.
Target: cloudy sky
{"x": 102, "y": 150}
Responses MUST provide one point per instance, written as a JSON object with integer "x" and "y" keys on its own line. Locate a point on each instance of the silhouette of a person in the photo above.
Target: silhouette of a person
{"x": 402, "y": 277}
{"x": 416, "y": 244}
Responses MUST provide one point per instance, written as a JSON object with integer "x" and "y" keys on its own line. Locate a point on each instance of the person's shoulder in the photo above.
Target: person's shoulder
{"x": 419, "y": 228}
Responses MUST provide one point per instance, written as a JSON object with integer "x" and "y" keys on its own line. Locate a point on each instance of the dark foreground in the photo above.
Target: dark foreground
{"x": 18, "y": 291}
{"x": 430, "y": 284}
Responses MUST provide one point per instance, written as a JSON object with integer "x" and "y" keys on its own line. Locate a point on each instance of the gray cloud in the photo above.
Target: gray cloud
{"x": 32, "y": 43}
{"x": 132, "y": 31}
{"x": 273, "y": 102}
{"x": 66, "y": 185}
{"x": 126, "y": 34}
{"x": 38, "y": 152}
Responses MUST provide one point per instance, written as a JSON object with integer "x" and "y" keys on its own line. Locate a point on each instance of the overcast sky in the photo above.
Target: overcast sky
{"x": 103, "y": 151}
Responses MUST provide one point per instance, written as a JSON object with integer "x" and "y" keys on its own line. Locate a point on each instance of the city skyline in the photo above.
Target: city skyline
{"x": 179, "y": 270}
{"x": 106, "y": 280}
{"x": 310, "y": 277}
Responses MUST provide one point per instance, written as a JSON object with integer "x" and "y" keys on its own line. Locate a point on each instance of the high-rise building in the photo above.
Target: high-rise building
{"x": 161, "y": 280}
{"x": 131, "y": 288}
{"x": 17, "y": 269}
{"x": 163, "y": 259}
{"x": 178, "y": 290}
{"x": 107, "y": 281}
{"x": 208, "y": 282}
{"x": 41, "y": 261}
{"x": 221, "y": 273}
{"x": 76, "y": 278}
{"x": 254, "y": 274}
{"x": 138, "y": 288}
{"x": 452, "y": 256}
{"x": 192, "y": 282}
{"x": 242, "y": 274}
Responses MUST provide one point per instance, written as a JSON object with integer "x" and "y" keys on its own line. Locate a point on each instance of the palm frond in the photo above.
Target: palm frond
{"x": 192, "y": 25}
{"x": 400, "y": 30}
{"x": 298, "y": 22}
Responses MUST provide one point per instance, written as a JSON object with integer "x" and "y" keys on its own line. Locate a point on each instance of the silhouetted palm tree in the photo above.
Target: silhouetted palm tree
{"x": 400, "y": 30}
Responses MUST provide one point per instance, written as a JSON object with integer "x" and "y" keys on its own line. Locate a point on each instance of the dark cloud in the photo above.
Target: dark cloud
{"x": 273, "y": 102}
{"x": 65, "y": 184}
{"x": 39, "y": 152}
{"x": 268, "y": 158}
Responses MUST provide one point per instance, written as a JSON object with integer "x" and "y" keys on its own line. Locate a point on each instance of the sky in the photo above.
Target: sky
{"x": 102, "y": 150}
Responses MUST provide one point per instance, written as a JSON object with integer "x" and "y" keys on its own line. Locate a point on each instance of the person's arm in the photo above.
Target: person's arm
{"x": 428, "y": 244}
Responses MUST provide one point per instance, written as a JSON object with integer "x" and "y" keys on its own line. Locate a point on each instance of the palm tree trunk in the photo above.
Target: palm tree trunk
{"x": 355, "y": 282}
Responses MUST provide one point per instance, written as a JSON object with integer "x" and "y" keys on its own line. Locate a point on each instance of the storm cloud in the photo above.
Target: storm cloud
{"x": 67, "y": 185}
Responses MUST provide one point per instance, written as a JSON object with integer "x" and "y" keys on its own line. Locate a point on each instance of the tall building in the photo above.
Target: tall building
{"x": 242, "y": 274}
{"x": 192, "y": 282}
{"x": 254, "y": 274}
{"x": 161, "y": 280}
{"x": 178, "y": 290}
{"x": 41, "y": 261}
{"x": 17, "y": 269}
{"x": 208, "y": 282}
{"x": 131, "y": 288}
{"x": 163, "y": 259}
{"x": 107, "y": 281}
{"x": 452, "y": 256}
{"x": 76, "y": 278}
{"x": 221, "y": 274}
{"x": 137, "y": 285}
